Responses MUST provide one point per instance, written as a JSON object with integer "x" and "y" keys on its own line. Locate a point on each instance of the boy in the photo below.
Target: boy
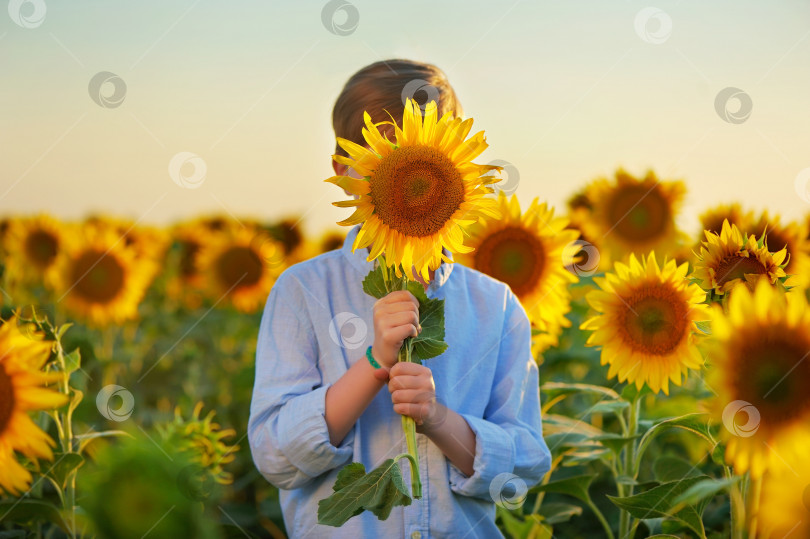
{"x": 317, "y": 404}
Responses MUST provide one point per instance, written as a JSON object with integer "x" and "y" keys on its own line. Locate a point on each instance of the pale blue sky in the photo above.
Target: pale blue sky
{"x": 565, "y": 90}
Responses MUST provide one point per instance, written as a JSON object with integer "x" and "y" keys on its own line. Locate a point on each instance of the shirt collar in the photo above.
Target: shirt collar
{"x": 358, "y": 260}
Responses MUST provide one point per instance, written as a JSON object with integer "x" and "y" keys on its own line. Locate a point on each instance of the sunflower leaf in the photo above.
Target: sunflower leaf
{"x": 73, "y": 361}
{"x": 669, "y": 468}
{"x": 654, "y": 503}
{"x": 66, "y": 463}
{"x": 576, "y": 486}
{"x": 555, "y": 513}
{"x": 379, "y": 491}
{"x": 702, "y": 492}
{"x": 374, "y": 284}
{"x": 23, "y": 511}
{"x": 430, "y": 342}
{"x": 562, "y": 387}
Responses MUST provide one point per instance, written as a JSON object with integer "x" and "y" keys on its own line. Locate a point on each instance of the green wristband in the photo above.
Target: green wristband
{"x": 371, "y": 359}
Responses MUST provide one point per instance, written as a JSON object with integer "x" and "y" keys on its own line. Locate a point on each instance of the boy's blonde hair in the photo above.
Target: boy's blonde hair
{"x": 383, "y": 86}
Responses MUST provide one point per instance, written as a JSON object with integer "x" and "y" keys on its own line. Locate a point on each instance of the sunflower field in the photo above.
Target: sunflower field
{"x": 672, "y": 367}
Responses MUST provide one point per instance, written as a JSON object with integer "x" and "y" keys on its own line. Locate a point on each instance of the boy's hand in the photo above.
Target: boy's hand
{"x": 414, "y": 394}
{"x": 396, "y": 316}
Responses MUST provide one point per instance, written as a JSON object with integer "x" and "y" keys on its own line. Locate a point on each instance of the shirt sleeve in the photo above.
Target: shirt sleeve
{"x": 287, "y": 431}
{"x": 509, "y": 441}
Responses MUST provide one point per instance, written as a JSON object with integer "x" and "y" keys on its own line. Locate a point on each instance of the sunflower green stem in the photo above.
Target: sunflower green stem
{"x": 752, "y": 497}
{"x": 65, "y": 426}
{"x": 737, "y": 509}
{"x": 629, "y": 467}
{"x": 408, "y": 423}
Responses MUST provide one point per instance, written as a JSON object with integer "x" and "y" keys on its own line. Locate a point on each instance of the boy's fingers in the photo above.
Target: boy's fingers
{"x": 403, "y": 367}
{"x": 418, "y": 411}
{"x": 397, "y": 334}
{"x": 397, "y": 307}
{"x": 402, "y": 295}
{"x": 409, "y": 395}
{"x": 402, "y": 319}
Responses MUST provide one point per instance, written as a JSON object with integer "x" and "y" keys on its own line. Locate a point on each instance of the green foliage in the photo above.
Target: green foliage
{"x": 136, "y": 488}
{"x": 656, "y": 503}
{"x": 379, "y": 491}
{"x": 27, "y": 511}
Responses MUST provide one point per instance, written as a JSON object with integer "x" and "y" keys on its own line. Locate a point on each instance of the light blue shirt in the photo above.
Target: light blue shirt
{"x": 317, "y": 323}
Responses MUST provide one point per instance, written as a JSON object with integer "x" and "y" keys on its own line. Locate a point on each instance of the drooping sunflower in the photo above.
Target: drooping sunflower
{"x": 202, "y": 440}
{"x": 528, "y": 252}
{"x": 793, "y": 238}
{"x": 760, "y": 370}
{"x": 32, "y": 244}
{"x": 712, "y": 219}
{"x": 419, "y": 193}
{"x": 647, "y": 322}
{"x": 241, "y": 265}
{"x": 98, "y": 278}
{"x": 730, "y": 258}
{"x": 631, "y": 215}
{"x": 22, "y": 390}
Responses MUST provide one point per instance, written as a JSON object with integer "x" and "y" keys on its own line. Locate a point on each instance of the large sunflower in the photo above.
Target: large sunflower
{"x": 417, "y": 194}
{"x": 32, "y": 244}
{"x": 646, "y": 322}
{"x": 241, "y": 265}
{"x": 22, "y": 356}
{"x": 527, "y": 253}
{"x": 760, "y": 367}
{"x": 730, "y": 258}
{"x": 785, "y": 501}
{"x": 98, "y": 278}
{"x": 634, "y": 215}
